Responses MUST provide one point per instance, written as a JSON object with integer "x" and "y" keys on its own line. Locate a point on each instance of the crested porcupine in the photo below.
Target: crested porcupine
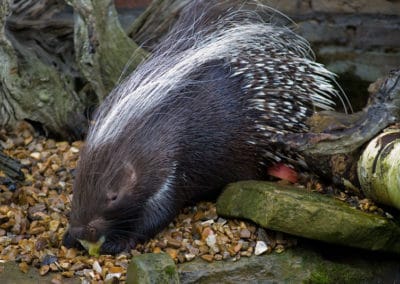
{"x": 201, "y": 112}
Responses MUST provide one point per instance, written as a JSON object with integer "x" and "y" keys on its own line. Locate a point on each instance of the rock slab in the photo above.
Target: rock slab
{"x": 307, "y": 214}
{"x": 152, "y": 268}
{"x": 307, "y": 264}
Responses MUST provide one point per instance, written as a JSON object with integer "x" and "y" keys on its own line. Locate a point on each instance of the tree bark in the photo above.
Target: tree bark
{"x": 155, "y": 22}
{"x": 31, "y": 88}
{"x": 335, "y": 142}
{"x": 104, "y": 52}
{"x": 10, "y": 166}
{"x": 56, "y": 66}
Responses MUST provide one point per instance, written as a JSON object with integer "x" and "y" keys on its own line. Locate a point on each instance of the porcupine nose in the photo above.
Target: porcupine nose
{"x": 95, "y": 229}
{"x": 77, "y": 232}
{"x": 88, "y": 233}
{"x": 92, "y": 235}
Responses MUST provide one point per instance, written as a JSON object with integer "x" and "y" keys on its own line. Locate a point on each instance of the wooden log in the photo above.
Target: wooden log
{"x": 336, "y": 141}
{"x": 10, "y": 166}
{"x": 34, "y": 86}
{"x": 56, "y": 66}
{"x": 105, "y": 53}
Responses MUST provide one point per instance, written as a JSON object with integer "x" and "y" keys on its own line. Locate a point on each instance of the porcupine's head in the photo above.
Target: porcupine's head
{"x": 116, "y": 185}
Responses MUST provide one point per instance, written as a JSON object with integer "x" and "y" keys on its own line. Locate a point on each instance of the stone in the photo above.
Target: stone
{"x": 112, "y": 277}
{"x": 261, "y": 247}
{"x": 189, "y": 256}
{"x": 96, "y": 267}
{"x": 211, "y": 240}
{"x": 311, "y": 215}
{"x": 207, "y": 257}
{"x": 53, "y": 225}
{"x": 298, "y": 265}
{"x": 245, "y": 234}
{"x": 36, "y": 155}
{"x": 152, "y": 268}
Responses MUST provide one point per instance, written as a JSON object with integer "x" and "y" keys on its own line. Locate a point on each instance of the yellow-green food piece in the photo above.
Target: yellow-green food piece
{"x": 93, "y": 248}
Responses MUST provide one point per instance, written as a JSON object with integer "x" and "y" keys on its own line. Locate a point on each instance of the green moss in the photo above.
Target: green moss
{"x": 170, "y": 271}
{"x": 319, "y": 277}
{"x": 339, "y": 273}
{"x": 306, "y": 214}
{"x": 152, "y": 268}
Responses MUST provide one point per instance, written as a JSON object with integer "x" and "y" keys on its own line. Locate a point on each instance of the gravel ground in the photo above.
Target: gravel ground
{"x": 34, "y": 217}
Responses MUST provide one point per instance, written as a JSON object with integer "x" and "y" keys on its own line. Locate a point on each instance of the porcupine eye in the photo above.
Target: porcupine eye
{"x": 124, "y": 188}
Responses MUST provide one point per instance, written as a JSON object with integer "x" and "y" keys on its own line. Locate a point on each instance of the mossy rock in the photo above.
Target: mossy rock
{"x": 307, "y": 214}
{"x": 152, "y": 268}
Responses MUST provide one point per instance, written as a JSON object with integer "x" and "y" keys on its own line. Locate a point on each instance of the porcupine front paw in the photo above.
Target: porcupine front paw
{"x": 114, "y": 247}
{"x": 70, "y": 242}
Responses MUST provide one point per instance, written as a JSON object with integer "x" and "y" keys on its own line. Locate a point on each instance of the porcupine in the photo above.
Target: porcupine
{"x": 201, "y": 112}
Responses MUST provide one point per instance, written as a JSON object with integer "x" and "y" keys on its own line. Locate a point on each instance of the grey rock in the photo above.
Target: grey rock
{"x": 152, "y": 268}
{"x": 299, "y": 265}
{"x": 11, "y": 274}
{"x": 307, "y": 214}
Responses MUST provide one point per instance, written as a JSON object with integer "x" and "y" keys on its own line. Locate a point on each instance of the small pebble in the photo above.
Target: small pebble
{"x": 110, "y": 276}
{"x": 53, "y": 225}
{"x": 44, "y": 270}
{"x": 28, "y": 140}
{"x": 221, "y": 221}
{"x": 24, "y": 267}
{"x": 173, "y": 253}
{"x": 207, "y": 223}
{"x": 116, "y": 269}
{"x": 261, "y": 247}
{"x": 78, "y": 266}
{"x": 206, "y": 232}
{"x": 54, "y": 267}
{"x": 71, "y": 253}
{"x": 156, "y": 250}
{"x": 65, "y": 265}
{"x": 279, "y": 249}
{"x": 245, "y": 234}
{"x": 49, "y": 259}
{"x": 174, "y": 243}
{"x": 189, "y": 256}
{"x": 211, "y": 240}
{"x": 74, "y": 150}
{"x": 68, "y": 274}
{"x": 96, "y": 267}
{"x": 238, "y": 247}
{"x": 207, "y": 257}
{"x": 36, "y": 155}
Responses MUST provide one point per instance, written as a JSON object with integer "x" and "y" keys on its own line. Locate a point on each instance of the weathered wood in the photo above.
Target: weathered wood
{"x": 30, "y": 87}
{"x": 104, "y": 52}
{"x": 333, "y": 146}
{"x": 155, "y": 22}
{"x": 10, "y": 166}
{"x": 56, "y": 66}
